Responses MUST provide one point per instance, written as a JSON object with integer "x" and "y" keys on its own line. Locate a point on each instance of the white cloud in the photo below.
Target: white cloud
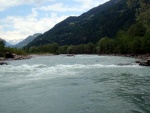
{"x": 5, "y": 4}
{"x": 25, "y": 26}
{"x": 60, "y": 7}
{"x": 19, "y": 27}
{"x": 87, "y": 4}
{"x": 79, "y": 6}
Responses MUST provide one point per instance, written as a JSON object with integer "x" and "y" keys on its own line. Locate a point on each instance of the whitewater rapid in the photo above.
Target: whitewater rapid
{"x": 79, "y": 84}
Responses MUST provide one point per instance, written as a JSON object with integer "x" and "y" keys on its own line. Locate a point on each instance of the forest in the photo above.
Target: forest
{"x": 136, "y": 40}
{"x": 132, "y": 40}
{"x": 4, "y": 50}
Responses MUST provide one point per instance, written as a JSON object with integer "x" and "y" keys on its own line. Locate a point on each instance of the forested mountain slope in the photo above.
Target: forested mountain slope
{"x": 104, "y": 20}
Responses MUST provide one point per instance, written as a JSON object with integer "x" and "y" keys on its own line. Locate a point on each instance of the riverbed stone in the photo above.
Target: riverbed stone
{"x": 3, "y": 63}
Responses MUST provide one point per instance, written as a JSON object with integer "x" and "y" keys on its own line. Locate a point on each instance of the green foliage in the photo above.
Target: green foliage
{"x": 105, "y": 45}
{"x": 2, "y": 45}
{"x": 15, "y": 50}
{"x": 137, "y": 30}
{"x": 146, "y": 43}
{"x": 104, "y": 20}
{"x": 53, "y": 48}
{"x": 142, "y": 8}
{"x": 4, "y": 49}
{"x": 127, "y": 25}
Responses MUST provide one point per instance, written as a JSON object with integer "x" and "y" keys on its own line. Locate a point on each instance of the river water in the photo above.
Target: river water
{"x": 79, "y": 84}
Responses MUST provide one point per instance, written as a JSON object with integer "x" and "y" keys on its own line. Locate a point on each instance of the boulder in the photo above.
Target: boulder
{"x": 9, "y": 55}
{"x": 138, "y": 62}
{"x": 148, "y": 62}
{"x": 144, "y": 64}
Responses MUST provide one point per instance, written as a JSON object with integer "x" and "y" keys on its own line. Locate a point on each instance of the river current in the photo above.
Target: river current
{"x": 79, "y": 84}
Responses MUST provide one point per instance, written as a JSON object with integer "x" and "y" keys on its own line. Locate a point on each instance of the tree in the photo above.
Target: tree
{"x": 70, "y": 49}
{"x": 105, "y": 45}
{"x": 89, "y": 48}
{"x": 146, "y": 43}
{"x": 142, "y": 11}
{"x": 137, "y": 30}
{"x": 2, "y": 45}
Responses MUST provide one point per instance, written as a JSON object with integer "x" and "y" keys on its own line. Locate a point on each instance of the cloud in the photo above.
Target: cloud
{"x": 22, "y": 27}
{"x": 79, "y": 6}
{"x": 5, "y": 4}
{"x": 87, "y": 4}
{"x": 42, "y": 17}
{"x": 59, "y": 7}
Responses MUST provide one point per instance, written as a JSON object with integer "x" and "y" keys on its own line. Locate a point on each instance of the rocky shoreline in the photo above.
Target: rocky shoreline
{"x": 144, "y": 63}
{"x": 144, "y": 60}
{"x": 10, "y": 56}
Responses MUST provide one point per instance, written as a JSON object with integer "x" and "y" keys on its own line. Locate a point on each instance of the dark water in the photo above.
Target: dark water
{"x": 80, "y": 84}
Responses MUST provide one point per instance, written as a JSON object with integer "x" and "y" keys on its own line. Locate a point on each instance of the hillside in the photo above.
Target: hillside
{"x": 26, "y": 41}
{"x": 104, "y": 20}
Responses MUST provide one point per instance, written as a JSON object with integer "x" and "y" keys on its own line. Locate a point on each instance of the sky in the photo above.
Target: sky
{"x": 22, "y": 18}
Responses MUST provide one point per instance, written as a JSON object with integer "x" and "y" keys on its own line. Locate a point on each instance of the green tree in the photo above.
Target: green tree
{"x": 137, "y": 30}
{"x": 2, "y": 44}
{"x": 146, "y": 43}
{"x": 70, "y": 49}
{"x": 89, "y": 48}
{"x": 135, "y": 46}
{"x": 105, "y": 45}
{"x": 63, "y": 49}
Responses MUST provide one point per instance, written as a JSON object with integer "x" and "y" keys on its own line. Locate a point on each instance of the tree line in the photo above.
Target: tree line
{"x": 136, "y": 40}
{"x": 4, "y": 50}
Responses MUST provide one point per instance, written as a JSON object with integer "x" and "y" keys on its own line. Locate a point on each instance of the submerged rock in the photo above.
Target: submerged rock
{"x": 3, "y": 63}
{"x": 71, "y": 55}
{"x": 125, "y": 64}
{"x": 144, "y": 63}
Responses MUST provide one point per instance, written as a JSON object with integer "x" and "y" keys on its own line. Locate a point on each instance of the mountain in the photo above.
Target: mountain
{"x": 8, "y": 44}
{"x": 26, "y": 41}
{"x": 1, "y": 39}
{"x": 5, "y": 43}
{"x": 105, "y": 20}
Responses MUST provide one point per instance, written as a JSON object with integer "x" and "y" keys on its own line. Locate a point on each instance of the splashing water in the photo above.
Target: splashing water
{"x": 80, "y": 84}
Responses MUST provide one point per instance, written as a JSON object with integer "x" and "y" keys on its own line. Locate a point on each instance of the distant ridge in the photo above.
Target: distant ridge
{"x": 26, "y": 41}
{"x": 105, "y": 20}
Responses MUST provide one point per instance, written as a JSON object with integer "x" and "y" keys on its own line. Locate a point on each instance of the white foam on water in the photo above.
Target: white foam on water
{"x": 82, "y": 66}
{"x": 88, "y": 56}
{"x": 57, "y": 68}
{"x": 21, "y": 68}
{"x": 24, "y": 73}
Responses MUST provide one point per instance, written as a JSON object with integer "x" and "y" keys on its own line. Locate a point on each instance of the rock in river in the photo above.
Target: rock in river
{"x": 3, "y": 63}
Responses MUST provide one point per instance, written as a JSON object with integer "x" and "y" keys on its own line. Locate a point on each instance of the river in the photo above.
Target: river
{"x": 79, "y": 84}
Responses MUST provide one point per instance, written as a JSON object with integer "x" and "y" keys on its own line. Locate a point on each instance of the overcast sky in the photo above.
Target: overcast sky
{"x": 21, "y": 18}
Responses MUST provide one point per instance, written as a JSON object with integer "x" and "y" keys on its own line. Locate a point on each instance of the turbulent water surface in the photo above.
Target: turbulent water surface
{"x": 79, "y": 84}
